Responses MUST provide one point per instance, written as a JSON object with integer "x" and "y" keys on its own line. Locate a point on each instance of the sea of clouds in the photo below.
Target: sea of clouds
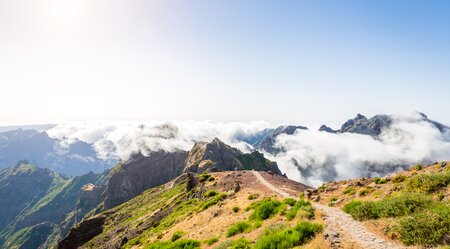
{"x": 307, "y": 156}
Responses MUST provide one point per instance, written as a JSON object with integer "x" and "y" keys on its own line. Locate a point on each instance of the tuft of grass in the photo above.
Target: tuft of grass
{"x": 205, "y": 177}
{"x": 398, "y": 179}
{"x": 349, "y": 191}
{"x": 252, "y": 197}
{"x": 365, "y": 191}
{"x": 236, "y": 209}
{"x": 288, "y": 238}
{"x": 378, "y": 180}
{"x": 210, "y": 193}
{"x": 216, "y": 199}
{"x": 180, "y": 244}
{"x": 211, "y": 241}
{"x": 265, "y": 209}
{"x": 305, "y": 208}
{"x": 418, "y": 167}
{"x": 290, "y": 201}
{"x": 239, "y": 227}
{"x": 177, "y": 235}
{"x": 240, "y": 244}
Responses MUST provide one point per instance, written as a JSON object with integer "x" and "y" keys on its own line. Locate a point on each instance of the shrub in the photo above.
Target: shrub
{"x": 290, "y": 201}
{"x": 240, "y": 244}
{"x": 177, "y": 235}
{"x": 350, "y": 206}
{"x": 236, "y": 209}
{"x": 418, "y": 167}
{"x": 365, "y": 191}
{"x": 288, "y": 238}
{"x": 238, "y": 227}
{"x": 349, "y": 191}
{"x": 265, "y": 209}
{"x": 398, "y": 178}
{"x": 304, "y": 206}
{"x": 179, "y": 244}
{"x": 211, "y": 241}
{"x": 210, "y": 193}
{"x": 378, "y": 180}
{"x": 428, "y": 183}
{"x": 252, "y": 197}
{"x": 214, "y": 201}
{"x": 388, "y": 207}
{"x": 425, "y": 228}
{"x": 204, "y": 177}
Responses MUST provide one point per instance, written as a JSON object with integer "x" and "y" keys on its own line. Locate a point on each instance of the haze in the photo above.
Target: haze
{"x": 290, "y": 61}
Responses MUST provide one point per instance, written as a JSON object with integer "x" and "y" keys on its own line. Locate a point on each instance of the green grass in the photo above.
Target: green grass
{"x": 428, "y": 183}
{"x": 211, "y": 241}
{"x": 239, "y": 227}
{"x": 349, "y": 191}
{"x": 180, "y": 244}
{"x": 394, "y": 206}
{"x": 288, "y": 238}
{"x": 213, "y": 201}
{"x": 252, "y": 197}
{"x": 210, "y": 193}
{"x": 305, "y": 208}
{"x": 177, "y": 235}
{"x": 264, "y": 209}
{"x": 421, "y": 220}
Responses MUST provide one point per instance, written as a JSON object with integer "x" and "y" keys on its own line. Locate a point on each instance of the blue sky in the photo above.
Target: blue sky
{"x": 280, "y": 61}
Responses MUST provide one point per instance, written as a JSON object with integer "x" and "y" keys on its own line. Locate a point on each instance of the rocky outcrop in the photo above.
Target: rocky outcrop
{"x": 325, "y": 128}
{"x": 83, "y": 232}
{"x": 217, "y": 156}
{"x": 361, "y": 125}
{"x": 141, "y": 173}
{"x": 268, "y": 143}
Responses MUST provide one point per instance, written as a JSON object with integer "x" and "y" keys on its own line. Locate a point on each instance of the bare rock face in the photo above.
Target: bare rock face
{"x": 217, "y": 156}
{"x": 141, "y": 173}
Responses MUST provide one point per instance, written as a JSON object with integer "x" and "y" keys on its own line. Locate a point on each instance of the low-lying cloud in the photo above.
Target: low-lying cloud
{"x": 308, "y": 156}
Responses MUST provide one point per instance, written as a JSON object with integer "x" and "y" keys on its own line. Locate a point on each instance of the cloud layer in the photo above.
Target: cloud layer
{"x": 308, "y": 156}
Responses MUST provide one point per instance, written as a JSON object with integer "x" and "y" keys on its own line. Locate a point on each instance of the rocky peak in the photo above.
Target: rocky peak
{"x": 325, "y": 128}
{"x": 267, "y": 144}
{"x": 218, "y": 156}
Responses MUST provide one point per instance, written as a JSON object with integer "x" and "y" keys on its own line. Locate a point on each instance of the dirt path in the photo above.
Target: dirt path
{"x": 337, "y": 220}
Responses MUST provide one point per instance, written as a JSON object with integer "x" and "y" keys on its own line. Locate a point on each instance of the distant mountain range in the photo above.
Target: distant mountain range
{"x": 74, "y": 157}
{"x": 38, "y": 148}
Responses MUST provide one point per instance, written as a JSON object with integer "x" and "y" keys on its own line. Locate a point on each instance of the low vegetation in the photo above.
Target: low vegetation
{"x": 180, "y": 244}
{"x": 289, "y": 237}
{"x": 239, "y": 227}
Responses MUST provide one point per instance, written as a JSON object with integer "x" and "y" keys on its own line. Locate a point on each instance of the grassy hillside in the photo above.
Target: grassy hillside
{"x": 39, "y": 206}
{"x": 412, "y": 206}
{"x": 215, "y": 210}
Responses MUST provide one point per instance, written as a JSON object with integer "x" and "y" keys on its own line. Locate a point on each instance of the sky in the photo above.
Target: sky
{"x": 278, "y": 61}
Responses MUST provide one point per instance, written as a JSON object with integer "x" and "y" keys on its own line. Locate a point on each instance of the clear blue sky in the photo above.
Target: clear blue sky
{"x": 282, "y": 61}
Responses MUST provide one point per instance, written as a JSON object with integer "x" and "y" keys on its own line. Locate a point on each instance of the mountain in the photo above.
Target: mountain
{"x": 38, "y": 148}
{"x": 190, "y": 208}
{"x": 39, "y": 206}
{"x": 375, "y": 125}
{"x": 140, "y": 173}
{"x": 267, "y": 142}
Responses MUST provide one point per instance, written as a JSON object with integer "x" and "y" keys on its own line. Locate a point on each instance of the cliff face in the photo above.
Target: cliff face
{"x": 141, "y": 173}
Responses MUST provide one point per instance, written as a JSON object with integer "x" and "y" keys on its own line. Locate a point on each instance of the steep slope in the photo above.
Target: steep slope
{"x": 202, "y": 206}
{"x": 38, "y": 148}
{"x": 140, "y": 173}
{"x": 39, "y": 205}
